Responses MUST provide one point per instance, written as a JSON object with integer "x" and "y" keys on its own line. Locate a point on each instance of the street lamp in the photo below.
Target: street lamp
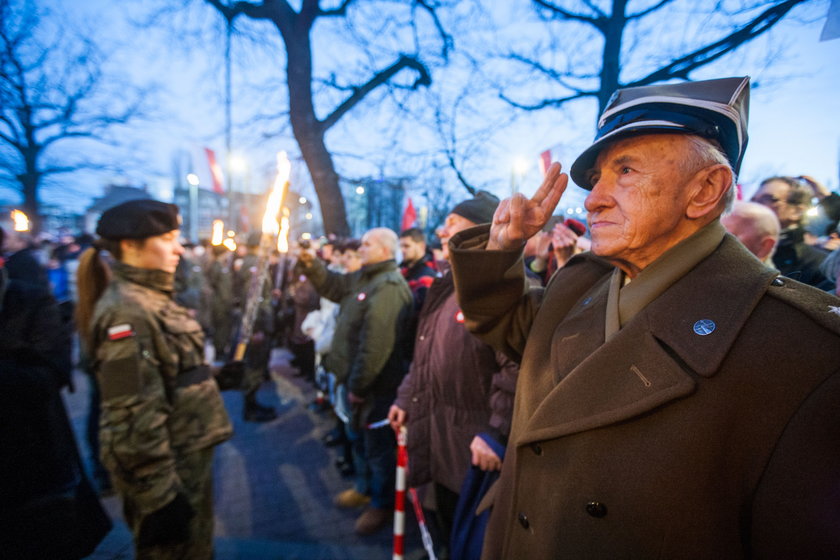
{"x": 520, "y": 167}
{"x": 192, "y": 179}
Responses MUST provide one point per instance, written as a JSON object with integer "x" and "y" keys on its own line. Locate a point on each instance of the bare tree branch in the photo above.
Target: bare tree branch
{"x": 683, "y": 66}
{"x": 556, "y": 102}
{"x": 359, "y": 93}
{"x": 643, "y": 13}
{"x": 566, "y": 14}
{"x": 448, "y": 40}
{"x": 340, "y": 10}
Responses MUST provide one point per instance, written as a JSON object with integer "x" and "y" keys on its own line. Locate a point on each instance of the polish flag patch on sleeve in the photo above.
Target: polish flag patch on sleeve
{"x": 120, "y": 331}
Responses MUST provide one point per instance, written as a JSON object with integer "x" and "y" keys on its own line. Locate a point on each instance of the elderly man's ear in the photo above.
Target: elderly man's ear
{"x": 709, "y": 190}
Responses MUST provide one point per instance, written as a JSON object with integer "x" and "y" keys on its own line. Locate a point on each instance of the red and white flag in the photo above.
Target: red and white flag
{"x": 548, "y": 156}
{"x": 206, "y": 167}
{"x": 409, "y": 217}
{"x": 215, "y": 172}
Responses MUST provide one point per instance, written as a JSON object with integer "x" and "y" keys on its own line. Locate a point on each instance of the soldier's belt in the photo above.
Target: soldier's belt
{"x": 193, "y": 376}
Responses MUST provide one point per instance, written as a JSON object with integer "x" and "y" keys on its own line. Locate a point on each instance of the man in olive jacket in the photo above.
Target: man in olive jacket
{"x": 676, "y": 399}
{"x": 369, "y": 355}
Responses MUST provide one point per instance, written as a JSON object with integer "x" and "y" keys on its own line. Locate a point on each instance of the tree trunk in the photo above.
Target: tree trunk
{"x": 30, "y": 180}
{"x": 309, "y": 131}
{"x": 610, "y": 70}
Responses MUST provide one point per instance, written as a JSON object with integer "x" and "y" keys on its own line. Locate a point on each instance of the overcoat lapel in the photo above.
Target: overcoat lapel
{"x": 652, "y": 360}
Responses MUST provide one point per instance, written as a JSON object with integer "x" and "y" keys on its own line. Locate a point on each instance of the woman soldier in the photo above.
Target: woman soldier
{"x": 162, "y": 413}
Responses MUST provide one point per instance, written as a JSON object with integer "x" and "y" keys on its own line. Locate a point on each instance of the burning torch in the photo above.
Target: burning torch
{"x": 219, "y": 238}
{"x": 20, "y": 220}
{"x": 270, "y": 230}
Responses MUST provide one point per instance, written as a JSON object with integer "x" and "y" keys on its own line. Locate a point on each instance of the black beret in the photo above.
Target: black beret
{"x": 138, "y": 219}
{"x": 479, "y": 209}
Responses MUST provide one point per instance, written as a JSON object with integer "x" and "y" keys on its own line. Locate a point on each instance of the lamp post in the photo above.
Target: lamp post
{"x": 192, "y": 179}
{"x": 518, "y": 170}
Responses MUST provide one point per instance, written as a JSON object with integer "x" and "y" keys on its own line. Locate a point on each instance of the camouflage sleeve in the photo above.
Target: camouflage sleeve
{"x": 134, "y": 438}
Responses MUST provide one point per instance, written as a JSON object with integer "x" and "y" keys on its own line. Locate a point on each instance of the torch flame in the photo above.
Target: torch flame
{"x": 21, "y": 220}
{"x": 218, "y": 232}
{"x": 277, "y": 196}
{"x": 283, "y": 238}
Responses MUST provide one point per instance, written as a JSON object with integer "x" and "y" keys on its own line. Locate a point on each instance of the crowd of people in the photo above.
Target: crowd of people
{"x": 644, "y": 386}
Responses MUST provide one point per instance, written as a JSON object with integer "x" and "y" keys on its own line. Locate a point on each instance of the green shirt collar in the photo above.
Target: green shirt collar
{"x": 625, "y": 300}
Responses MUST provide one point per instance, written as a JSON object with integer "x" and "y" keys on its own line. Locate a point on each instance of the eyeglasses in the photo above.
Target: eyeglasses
{"x": 768, "y": 199}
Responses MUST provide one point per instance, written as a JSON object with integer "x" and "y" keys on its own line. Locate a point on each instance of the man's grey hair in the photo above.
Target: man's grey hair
{"x": 387, "y": 239}
{"x": 705, "y": 153}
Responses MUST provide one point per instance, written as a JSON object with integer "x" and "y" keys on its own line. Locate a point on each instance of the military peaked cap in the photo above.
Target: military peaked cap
{"x": 713, "y": 109}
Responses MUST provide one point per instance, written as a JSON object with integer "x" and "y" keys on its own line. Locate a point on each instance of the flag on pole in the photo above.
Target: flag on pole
{"x": 409, "y": 217}
{"x": 547, "y": 156}
{"x": 215, "y": 172}
{"x": 204, "y": 165}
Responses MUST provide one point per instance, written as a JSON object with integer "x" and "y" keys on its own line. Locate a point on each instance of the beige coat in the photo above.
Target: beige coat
{"x": 662, "y": 442}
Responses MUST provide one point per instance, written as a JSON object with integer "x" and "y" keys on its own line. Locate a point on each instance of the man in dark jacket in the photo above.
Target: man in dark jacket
{"x": 22, "y": 263}
{"x": 417, "y": 266}
{"x": 457, "y": 388}
{"x": 368, "y": 354}
{"x": 48, "y": 509}
{"x": 789, "y": 200}
{"x": 676, "y": 399}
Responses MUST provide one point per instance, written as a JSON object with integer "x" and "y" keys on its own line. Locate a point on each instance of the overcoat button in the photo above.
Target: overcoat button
{"x": 778, "y": 282}
{"x": 536, "y": 448}
{"x": 523, "y": 520}
{"x": 596, "y": 509}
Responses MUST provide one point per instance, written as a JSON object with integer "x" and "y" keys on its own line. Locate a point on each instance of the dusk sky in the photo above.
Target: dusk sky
{"x": 794, "y": 120}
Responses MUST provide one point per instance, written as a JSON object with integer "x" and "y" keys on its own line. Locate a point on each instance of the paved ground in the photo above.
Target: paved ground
{"x": 274, "y": 485}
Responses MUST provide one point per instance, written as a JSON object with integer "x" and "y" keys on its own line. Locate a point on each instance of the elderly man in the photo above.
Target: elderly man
{"x": 756, "y": 226}
{"x": 369, "y": 355}
{"x": 676, "y": 398}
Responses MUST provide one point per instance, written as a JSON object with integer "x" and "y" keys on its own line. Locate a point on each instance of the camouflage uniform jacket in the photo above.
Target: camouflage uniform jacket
{"x": 159, "y": 400}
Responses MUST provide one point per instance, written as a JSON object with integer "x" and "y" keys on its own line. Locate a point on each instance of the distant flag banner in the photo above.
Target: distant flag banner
{"x": 206, "y": 167}
{"x": 215, "y": 172}
{"x": 409, "y": 217}
{"x": 244, "y": 220}
{"x": 549, "y": 155}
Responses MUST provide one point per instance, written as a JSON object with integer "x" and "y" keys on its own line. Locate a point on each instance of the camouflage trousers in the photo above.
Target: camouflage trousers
{"x": 196, "y": 473}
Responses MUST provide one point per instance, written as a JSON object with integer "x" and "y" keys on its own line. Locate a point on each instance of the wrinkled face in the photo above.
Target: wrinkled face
{"x": 159, "y": 252}
{"x": 774, "y": 195}
{"x": 453, "y": 224}
{"x": 411, "y": 250}
{"x": 637, "y": 206}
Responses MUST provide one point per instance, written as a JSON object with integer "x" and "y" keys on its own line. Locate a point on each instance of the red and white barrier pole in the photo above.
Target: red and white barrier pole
{"x": 399, "y": 504}
{"x": 399, "y": 499}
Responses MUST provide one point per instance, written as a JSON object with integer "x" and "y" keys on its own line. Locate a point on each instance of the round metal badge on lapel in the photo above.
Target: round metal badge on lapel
{"x": 704, "y": 327}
